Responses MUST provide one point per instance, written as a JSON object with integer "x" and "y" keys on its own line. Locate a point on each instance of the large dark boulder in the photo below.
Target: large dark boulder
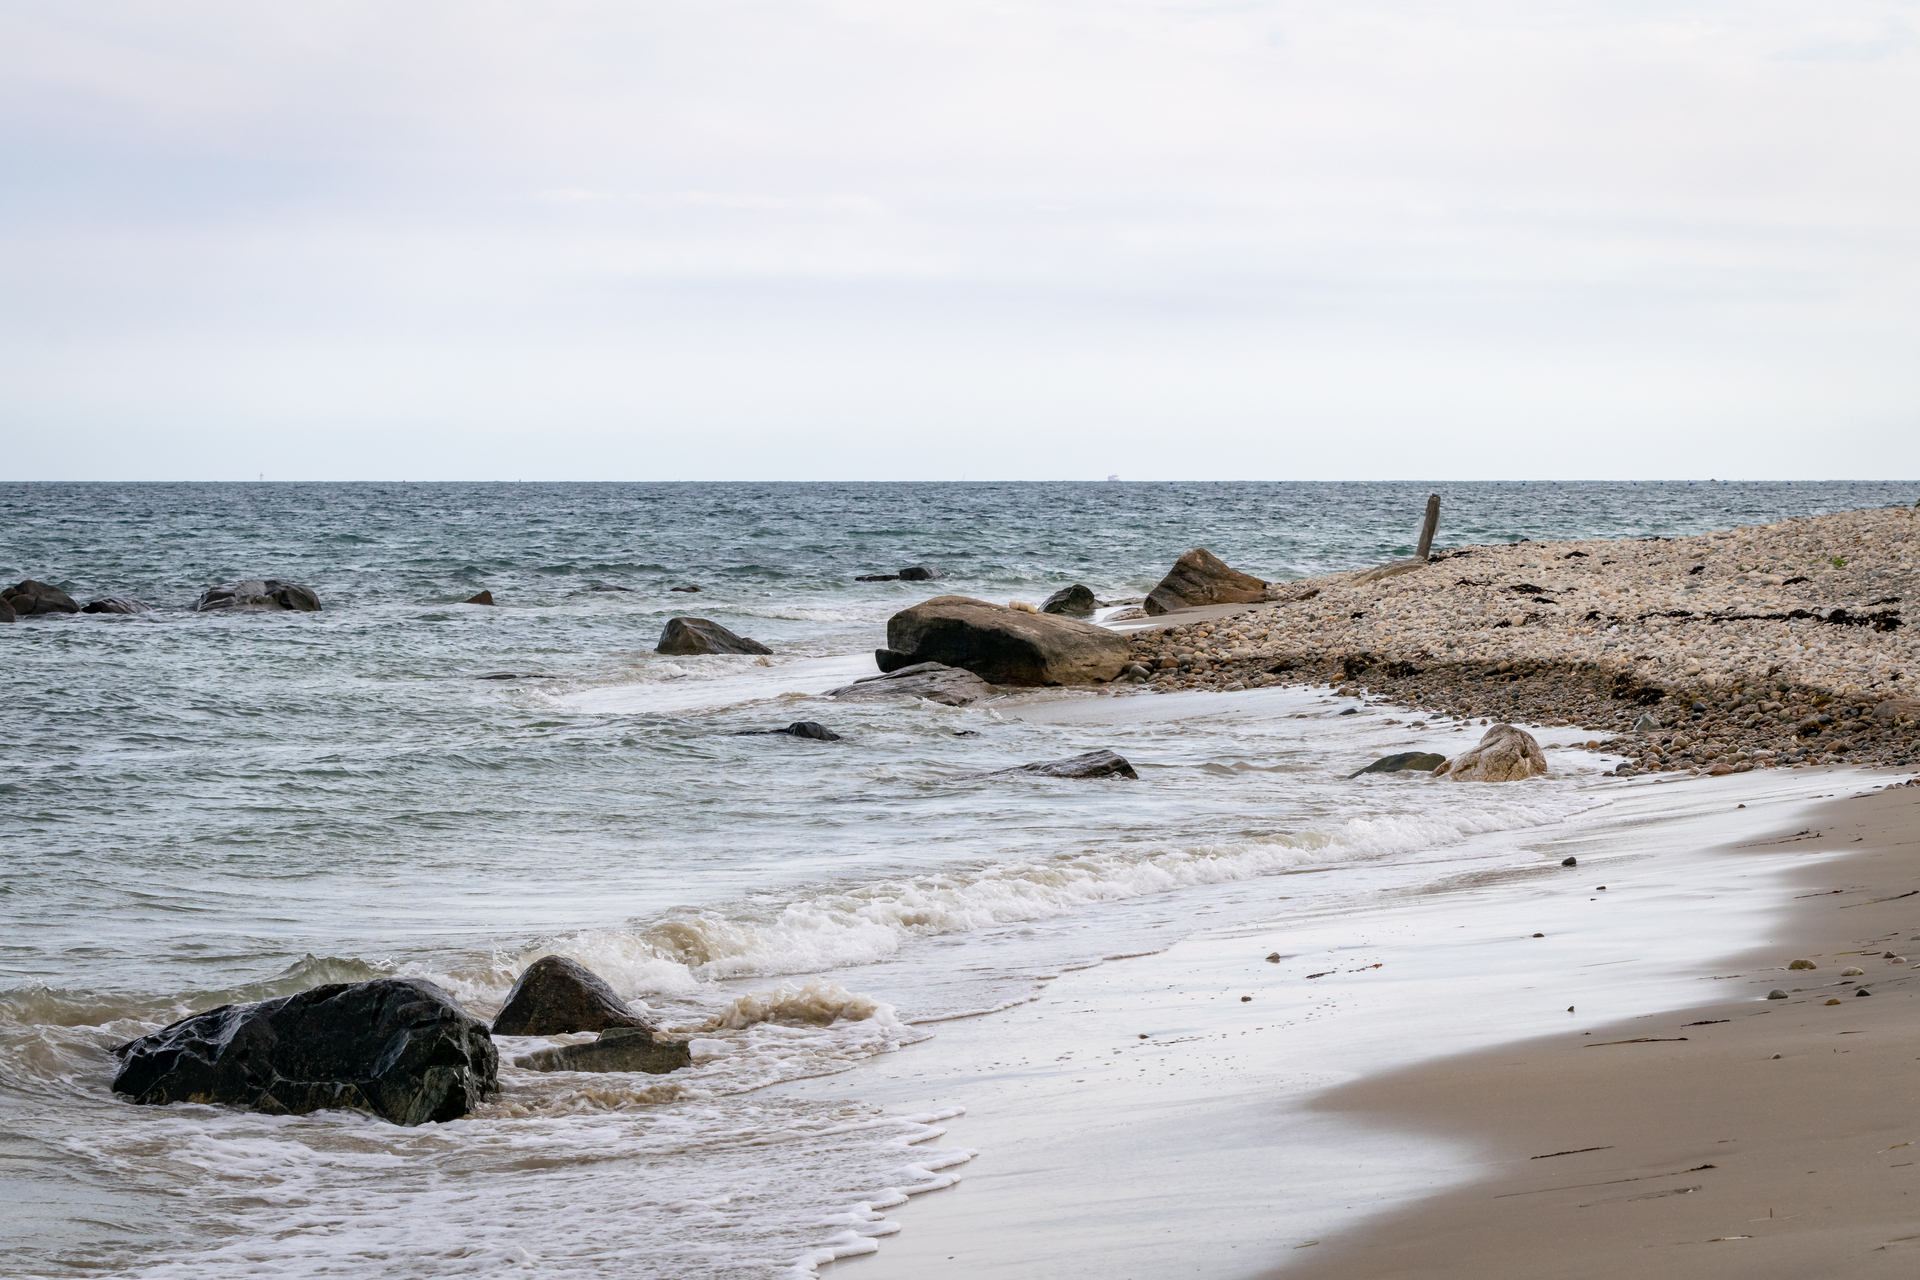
{"x": 919, "y": 573}
{"x": 28, "y": 598}
{"x": 479, "y": 597}
{"x": 798, "y": 729}
{"x": 1417, "y": 761}
{"x": 1094, "y": 764}
{"x": 6, "y": 612}
{"x": 1075, "y": 601}
{"x": 685, "y": 636}
{"x": 116, "y": 604}
{"x": 556, "y": 996}
{"x": 934, "y": 681}
{"x": 1201, "y": 578}
{"x": 258, "y": 593}
{"x": 397, "y": 1047}
{"x": 617, "y": 1049}
{"x": 1002, "y": 645}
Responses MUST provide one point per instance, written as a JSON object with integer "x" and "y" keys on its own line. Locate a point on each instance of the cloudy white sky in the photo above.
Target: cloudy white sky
{"x": 935, "y": 239}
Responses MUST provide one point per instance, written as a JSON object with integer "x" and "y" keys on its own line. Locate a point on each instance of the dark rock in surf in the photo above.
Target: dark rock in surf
{"x": 479, "y": 597}
{"x": 1002, "y": 645}
{"x": 934, "y": 681}
{"x": 397, "y": 1047}
{"x": 1075, "y": 601}
{"x": 686, "y": 636}
{"x": 694, "y": 590}
{"x": 919, "y": 573}
{"x": 1202, "y": 578}
{"x": 28, "y": 598}
{"x": 258, "y": 593}
{"x": 878, "y": 577}
{"x": 6, "y": 612}
{"x": 116, "y": 604}
{"x": 617, "y": 1049}
{"x": 1094, "y": 764}
{"x": 556, "y": 996}
{"x": 798, "y": 729}
{"x": 1418, "y": 761}
{"x": 606, "y": 587}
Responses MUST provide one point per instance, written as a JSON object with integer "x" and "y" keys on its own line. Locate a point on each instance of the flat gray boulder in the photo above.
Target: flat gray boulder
{"x": 1094, "y": 764}
{"x": 1002, "y": 645}
{"x": 116, "y": 604}
{"x": 29, "y": 598}
{"x": 1504, "y": 754}
{"x": 400, "y": 1048}
{"x": 267, "y": 594}
{"x": 1406, "y": 761}
{"x": 556, "y": 996}
{"x": 685, "y": 637}
{"x": 934, "y": 681}
{"x": 1076, "y": 601}
{"x": 617, "y": 1049}
{"x": 1202, "y": 578}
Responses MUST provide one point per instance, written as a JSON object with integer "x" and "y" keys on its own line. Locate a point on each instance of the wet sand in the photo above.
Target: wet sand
{"x": 1690, "y": 1148}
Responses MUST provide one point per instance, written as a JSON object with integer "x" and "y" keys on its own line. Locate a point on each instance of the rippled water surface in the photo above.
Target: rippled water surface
{"x": 201, "y": 808}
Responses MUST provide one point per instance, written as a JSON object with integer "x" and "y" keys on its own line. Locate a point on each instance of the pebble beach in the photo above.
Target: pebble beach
{"x": 1752, "y": 647}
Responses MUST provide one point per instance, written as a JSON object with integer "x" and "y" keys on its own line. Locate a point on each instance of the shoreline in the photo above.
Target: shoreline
{"x": 1744, "y": 1137}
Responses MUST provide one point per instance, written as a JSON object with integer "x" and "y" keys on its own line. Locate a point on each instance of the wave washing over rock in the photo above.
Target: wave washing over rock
{"x": 209, "y": 808}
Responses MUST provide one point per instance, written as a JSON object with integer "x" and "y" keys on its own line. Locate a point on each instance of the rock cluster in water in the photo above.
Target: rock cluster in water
{"x": 1756, "y": 646}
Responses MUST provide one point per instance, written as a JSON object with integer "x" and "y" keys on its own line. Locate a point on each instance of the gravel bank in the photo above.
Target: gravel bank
{"x": 1758, "y": 646}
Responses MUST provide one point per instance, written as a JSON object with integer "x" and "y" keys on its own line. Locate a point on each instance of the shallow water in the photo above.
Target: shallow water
{"x": 205, "y": 808}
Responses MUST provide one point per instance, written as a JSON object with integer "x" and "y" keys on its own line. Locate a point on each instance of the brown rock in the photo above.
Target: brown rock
{"x": 687, "y": 636}
{"x": 1200, "y": 578}
{"x": 483, "y": 597}
{"x": 1002, "y": 645}
{"x": 556, "y": 996}
{"x": 1504, "y": 754}
{"x": 28, "y": 598}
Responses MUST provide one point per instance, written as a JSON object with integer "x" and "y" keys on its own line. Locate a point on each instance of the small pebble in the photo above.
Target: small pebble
{"x": 1776, "y": 994}
{"x": 1803, "y": 964}
{"x": 1774, "y": 1058}
{"x": 1539, "y": 935}
{"x": 1244, "y": 999}
{"x": 1274, "y": 958}
{"x": 1569, "y": 862}
{"x": 1851, "y": 972}
{"x": 1863, "y": 992}
{"x": 1896, "y": 959}
{"x": 1833, "y": 1002}
{"x": 1600, "y": 887}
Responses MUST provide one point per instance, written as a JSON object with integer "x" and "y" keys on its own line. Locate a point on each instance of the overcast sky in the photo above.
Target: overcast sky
{"x": 936, "y": 239}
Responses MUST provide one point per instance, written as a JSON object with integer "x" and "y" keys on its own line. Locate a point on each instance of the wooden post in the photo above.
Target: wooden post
{"x": 1428, "y": 527}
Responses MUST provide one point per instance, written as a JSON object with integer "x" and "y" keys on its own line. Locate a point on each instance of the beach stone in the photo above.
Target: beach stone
{"x": 1852, "y": 971}
{"x": 1569, "y": 862}
{"x": 798, "y": 729}
{"x": 617, "y": 1049}
{"x": 116, "y": 604}
{"x": 400, "y": 1048}
{"x": 1803, "y": 964}
{"x": 919, "y": 573}
{"x": 934, "y": 681}
{"x": 1504, "y": 754}
{"x": 268, "y": 594}
{"x": 1863, "y": 992}
{"x": 556, "y": 995}
{"x": 1416, "y": 761}
{"x": 1075, "y": 601}
{"x": 1004, "y": 646}
{"x": 28, "y": 598}
{"x": 1646, "y": 724}
{"x": 1093, "y": 764}
{"x": 1894, "y": 710}
{"x": 1776, "y": 994}
{"x": 479, "y": 597}
{"x": 1200, "y": 578}
{"x": 683, "y": 637}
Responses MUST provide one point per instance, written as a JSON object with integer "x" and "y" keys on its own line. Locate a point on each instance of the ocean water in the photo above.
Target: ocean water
{"x": 205, "y": 808}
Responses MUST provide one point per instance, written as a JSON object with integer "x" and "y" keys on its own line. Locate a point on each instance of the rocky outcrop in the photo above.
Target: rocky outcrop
{"x": 556, "y": 996}
{"x": 1002, "y": 645}
{"x": 479, "y": 597}
{"x": 934, "y": 681}
{"x": 798, "y": 729}
{"x": 258, "y": 593}
{"x": 29, "y": 598}
{"x": 919, "y": 573}
{"x": 1201, "y": 578}
{"x": 1094, "y": 764}
{"x": 397, "y": 1047}
{"x": 684, "y": 637}
{"x": 1505, "y": 754}
{"x": 6, "y": 612}
{"x": 1075, "y": 601}
{"x": 617, "y": 1049}
{"x": 1415, "y": 761}
{"x": 116, "y": 604}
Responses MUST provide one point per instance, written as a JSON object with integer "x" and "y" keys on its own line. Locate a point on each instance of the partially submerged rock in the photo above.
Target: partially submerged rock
{"x": 400, "y": 1048}
{"x": 919, "y": 573}
{"x": 557, "y": 995}
{"x": 1200, "y": 578}
{"x": 1504, "y": 754}
{"x": 29, "y": 598}
{"x": 1003, "y": 645}
{"x": 116, "y": 604}
{"x": 934, "y": 681}
{"x": 258, "y": 593}
{"x": 617, "y": 1049}
{"x": 1093, "y": 764}
{"x": 479, "y": 597}
{"x": 1406, "y": 761}
{"x": 686, "y": 636}
{"x": 798, "y": 729}
{"x": 1075, "y": 601}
